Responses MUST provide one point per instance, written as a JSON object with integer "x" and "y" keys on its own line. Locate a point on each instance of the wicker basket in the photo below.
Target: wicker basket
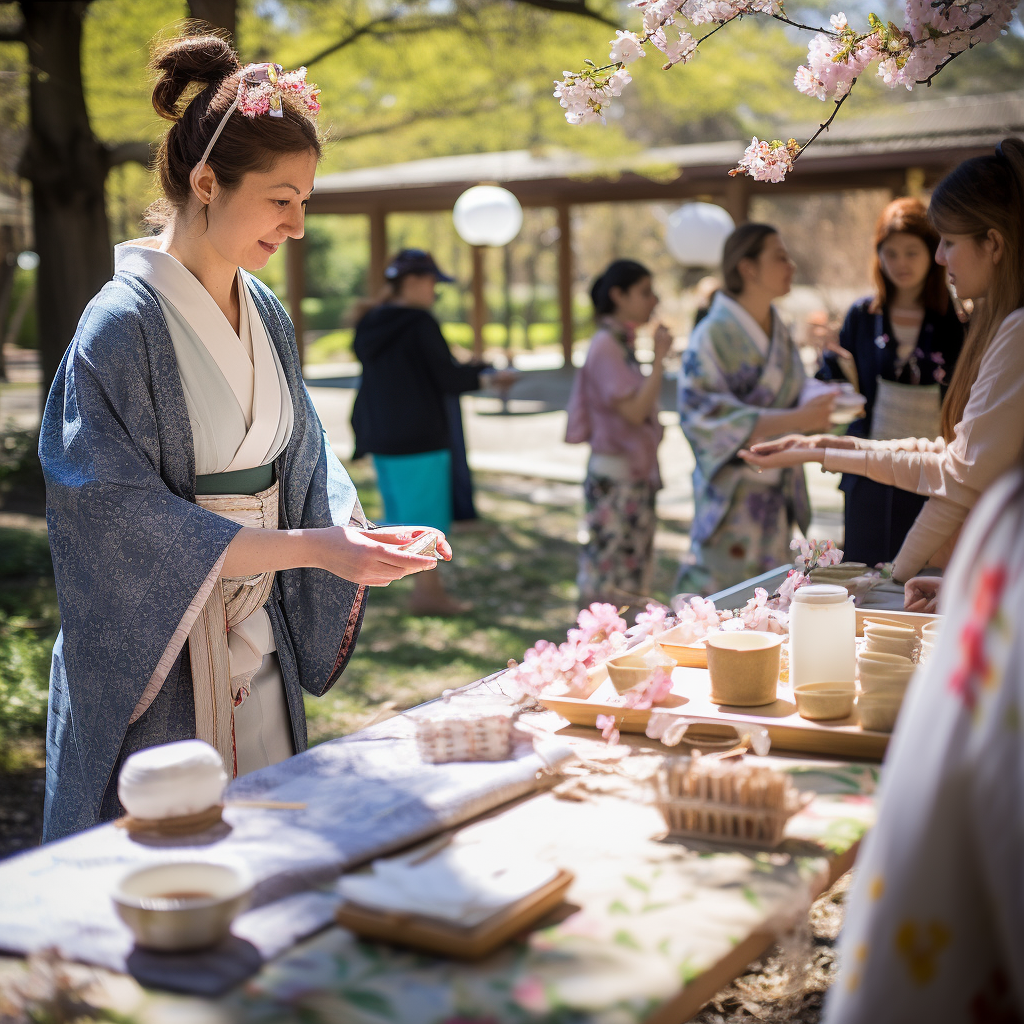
{"x": 728, "y": 801}
{"x": 465, "y": 731}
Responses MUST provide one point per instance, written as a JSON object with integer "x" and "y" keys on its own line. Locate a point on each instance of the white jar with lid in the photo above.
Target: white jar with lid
{"x": 822, "y": 635}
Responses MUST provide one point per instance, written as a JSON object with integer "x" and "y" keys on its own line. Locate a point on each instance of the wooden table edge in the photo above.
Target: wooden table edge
{"x": 699, "y": 992}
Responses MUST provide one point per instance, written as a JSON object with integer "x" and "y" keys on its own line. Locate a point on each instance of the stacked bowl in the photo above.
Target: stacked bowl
{"x": 929, "y": 638}
{"x": 883, "y": 682}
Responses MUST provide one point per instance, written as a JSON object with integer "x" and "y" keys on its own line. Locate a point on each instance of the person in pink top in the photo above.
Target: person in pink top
{"x": 614, "y": 408}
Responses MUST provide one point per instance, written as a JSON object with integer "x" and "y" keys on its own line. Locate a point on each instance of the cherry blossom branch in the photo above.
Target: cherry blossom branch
{"x": 933, "y": 35}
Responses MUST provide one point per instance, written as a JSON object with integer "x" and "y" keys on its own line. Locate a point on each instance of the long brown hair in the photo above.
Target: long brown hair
{"x": 908, "y": 216}
{"x": 202, "y": 69}
{"x": 745, "y": 243}
{"x": 984, "y": 194}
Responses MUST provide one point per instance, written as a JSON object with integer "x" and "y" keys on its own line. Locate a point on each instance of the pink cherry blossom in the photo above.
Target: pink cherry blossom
{"x": 606, "y": 723}
{"x": 767, "y": 161}
{"x": 626, "y": 48}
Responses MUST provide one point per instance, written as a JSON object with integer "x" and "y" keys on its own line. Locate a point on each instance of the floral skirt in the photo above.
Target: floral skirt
{"x": 753, "y": 538}
{"x": 617, "y": 556}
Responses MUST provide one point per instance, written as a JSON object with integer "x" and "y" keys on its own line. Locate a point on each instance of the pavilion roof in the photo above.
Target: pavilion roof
{"x": 870, "y": 151}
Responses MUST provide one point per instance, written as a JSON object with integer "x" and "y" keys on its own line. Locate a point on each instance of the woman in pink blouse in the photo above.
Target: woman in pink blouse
{"x": 978, "y": 210}
{"x": 614, "y": 407}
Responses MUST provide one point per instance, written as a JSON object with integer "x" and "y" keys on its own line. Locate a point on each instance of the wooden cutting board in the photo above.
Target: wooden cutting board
{"x": 691, "y": 696}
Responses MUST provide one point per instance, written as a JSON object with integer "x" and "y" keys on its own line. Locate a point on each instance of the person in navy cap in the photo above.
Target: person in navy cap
{"x": 401, "y": 414}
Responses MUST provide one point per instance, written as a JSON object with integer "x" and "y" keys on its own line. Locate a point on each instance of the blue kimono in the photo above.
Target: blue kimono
{"x": 131, "y": 549}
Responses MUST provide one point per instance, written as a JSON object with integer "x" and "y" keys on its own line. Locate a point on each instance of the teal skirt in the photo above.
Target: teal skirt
{"x": 417, "y": 489}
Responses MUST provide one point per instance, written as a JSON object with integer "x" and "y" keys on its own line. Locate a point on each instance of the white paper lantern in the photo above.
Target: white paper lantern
{"x": 487, "y": 215}
{"x": 696, "y": 233}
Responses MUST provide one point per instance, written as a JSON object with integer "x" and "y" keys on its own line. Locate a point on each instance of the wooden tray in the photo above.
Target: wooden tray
{"x": 696, "y": 655}
{"x": 691, "y": 696}
{"x": 437, "y": 936}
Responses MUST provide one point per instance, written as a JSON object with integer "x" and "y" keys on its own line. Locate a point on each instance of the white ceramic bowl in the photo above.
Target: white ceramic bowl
{"x": 930, "y": 630}
{"x": 880, "y": 672}
{"x": 890, "y": 645}
{"x": 172, "y": 780}
{"x": 181, "y": 906}
{"x": 878, "y": 712}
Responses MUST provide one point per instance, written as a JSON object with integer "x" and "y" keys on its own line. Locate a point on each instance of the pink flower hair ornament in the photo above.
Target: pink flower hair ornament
{"x": 261, "y": 90}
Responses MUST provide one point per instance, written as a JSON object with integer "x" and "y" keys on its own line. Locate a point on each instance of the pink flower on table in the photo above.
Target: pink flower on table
{"x": 529, "y": 993}
{"x": 606, "y": 723}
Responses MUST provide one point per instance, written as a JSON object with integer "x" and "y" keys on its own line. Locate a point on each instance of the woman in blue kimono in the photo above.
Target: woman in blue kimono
{"x": 742, "y": 379}
{"x": 210, "y": 553}
{"x": 899, "y": 348}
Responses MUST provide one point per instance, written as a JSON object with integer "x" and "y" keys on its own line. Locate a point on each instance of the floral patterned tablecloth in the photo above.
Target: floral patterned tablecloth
{"x": 644, "y": 919}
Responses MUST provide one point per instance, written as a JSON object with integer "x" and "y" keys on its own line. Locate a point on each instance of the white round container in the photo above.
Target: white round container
{"x": 822, "y": 635}
{"x": 172, "y": 780}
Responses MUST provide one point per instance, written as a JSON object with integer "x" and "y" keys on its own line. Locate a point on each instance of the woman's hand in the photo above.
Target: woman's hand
{"x": 921, "y": 594}
{"x": 782, "y": 459}
{"x": 373, "y": 557}
{"x": 662, "y": 342}
{"x": 815, "y": 416}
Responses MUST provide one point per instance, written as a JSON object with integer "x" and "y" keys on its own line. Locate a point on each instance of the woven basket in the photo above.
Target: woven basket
{"x": 470, "y": 735}
{"x": 725, "y": 809}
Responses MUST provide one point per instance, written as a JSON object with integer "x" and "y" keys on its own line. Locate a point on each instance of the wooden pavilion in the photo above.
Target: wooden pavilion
{"x": 905, "y": 149}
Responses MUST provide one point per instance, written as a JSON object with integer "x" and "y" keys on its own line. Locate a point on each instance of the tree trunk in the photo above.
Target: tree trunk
{"x": 219, "y": 13}
{"x": 66, "y": 166}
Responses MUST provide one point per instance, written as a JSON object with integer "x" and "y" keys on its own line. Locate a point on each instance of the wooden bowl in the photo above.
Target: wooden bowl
{"x": 689, "y": 654}
{"x": 823, "y": 701}
{"x": 631, "y": 668}
{"x": 744, "y": 667}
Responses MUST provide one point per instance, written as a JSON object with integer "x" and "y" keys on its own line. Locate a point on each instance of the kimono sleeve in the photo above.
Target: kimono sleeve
{"x": 716, "y": 423}
{"x": 132, "y": 559}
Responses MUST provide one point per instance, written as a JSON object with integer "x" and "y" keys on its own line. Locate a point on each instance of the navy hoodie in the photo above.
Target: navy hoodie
{"x": 407, "y": 371}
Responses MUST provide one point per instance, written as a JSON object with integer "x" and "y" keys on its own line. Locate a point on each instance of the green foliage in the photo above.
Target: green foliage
{"x": 19, "y": 462}
{"x": 29, "y": 622}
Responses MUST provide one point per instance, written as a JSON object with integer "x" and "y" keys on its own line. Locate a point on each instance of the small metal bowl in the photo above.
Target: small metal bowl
{"x": 181, "y": 906}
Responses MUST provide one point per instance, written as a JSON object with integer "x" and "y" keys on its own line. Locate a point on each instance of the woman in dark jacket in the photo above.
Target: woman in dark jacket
{"x": 400, "y": 414}
{"x": 899, "y": 348}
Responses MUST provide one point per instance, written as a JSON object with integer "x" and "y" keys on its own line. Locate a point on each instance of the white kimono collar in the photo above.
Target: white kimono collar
{"x": 254, "y": 382}
{"x": 748, "y": 323}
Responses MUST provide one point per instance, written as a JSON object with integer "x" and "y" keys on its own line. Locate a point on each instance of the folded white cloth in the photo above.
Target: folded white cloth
{"x": 464, "y": 884}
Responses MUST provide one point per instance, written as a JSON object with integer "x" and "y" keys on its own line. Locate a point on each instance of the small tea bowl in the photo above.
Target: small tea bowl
{"x": 878, "y": 711}
{"x": 744, "y": 667}
{"x": 823, "y": 701}
{"x": 181, "y": 906}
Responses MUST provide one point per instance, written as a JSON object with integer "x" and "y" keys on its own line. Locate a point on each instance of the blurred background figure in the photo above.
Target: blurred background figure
{"x": 400, "y": 415}
{"x": 741, "y": 381}
{"x": 614, "y": 407}
{"x": 899, "y": 348}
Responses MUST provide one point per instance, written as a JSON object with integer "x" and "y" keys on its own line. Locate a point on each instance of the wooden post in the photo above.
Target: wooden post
{"x": 295, "y": 271}
{"x": 565, "y": 281}
{"x": 378, "y": 249}
{"x": 737, "y": 200}
{"x": 479, "y": 302}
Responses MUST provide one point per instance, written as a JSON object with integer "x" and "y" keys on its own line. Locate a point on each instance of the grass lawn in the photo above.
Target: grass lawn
{"x": 517, "y": 566}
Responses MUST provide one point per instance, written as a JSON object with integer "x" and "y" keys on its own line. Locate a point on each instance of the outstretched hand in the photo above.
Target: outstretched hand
{"x": 375, "y": 557}
{"x": 782, "y": 459}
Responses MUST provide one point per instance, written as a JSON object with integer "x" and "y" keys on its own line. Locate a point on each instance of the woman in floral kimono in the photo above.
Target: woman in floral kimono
{"x": 741, "y": 382}
{"x": 210, "y": 553}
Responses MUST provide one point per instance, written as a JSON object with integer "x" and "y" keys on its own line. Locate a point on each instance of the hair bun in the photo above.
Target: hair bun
{"x": 205, "y": 59}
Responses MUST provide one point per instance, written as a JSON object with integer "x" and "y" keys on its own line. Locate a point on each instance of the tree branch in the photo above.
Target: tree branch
{"x": 357, "y": 33}
{"x": 129, "y": 152}
{"x": 576, "y": 7}
{"x": 415, "y": 117}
